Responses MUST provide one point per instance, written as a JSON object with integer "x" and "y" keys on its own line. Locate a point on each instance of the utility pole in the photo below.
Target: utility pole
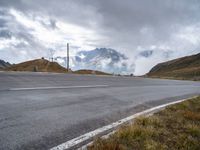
{"x": 67, "y": 57}
{"x": 51, "y": 54}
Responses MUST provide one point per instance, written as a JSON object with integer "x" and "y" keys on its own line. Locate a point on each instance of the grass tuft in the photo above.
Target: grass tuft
{"x": 176, "y": 127}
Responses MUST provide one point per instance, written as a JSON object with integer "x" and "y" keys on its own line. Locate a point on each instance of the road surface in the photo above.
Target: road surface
{"x": 42, "y": 110}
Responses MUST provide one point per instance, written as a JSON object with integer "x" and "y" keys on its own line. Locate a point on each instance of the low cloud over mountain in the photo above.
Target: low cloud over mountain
{"x": 103, "y": 59}
{"x": 112, "y": 61}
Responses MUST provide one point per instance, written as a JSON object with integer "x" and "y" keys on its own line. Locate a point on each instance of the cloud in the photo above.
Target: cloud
{"x": 37, "y": 34}
{"x": 130, "y": 26}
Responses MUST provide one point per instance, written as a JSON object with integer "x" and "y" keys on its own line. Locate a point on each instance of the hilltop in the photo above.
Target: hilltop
{"x": 187, "y": 68}
{"x": 43, "y": 65}
{"x": 38, "y": 65}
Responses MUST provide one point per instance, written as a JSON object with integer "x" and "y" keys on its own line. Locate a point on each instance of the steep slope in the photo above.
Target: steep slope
{"x": 38, "y": 65}
{"x": 4, "y": 64}
{"x": 182, "y": 68}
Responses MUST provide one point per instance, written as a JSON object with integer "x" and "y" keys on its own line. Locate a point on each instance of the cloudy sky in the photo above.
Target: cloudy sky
{"x": 170, "y": 28}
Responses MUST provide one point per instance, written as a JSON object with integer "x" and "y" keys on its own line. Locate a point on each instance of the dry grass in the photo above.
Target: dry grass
{"x": 176, "y": 127}
{"x": 43, "y": 65}
{"x": 95, "y": 72}
{"x": 186, "y": 68}
{"x": 181, "y": 74}
{"x": 38, "y": 65}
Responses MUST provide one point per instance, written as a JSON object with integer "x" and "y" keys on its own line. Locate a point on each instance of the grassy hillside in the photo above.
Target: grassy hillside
{"x": 38, "y": 65}
{"x": 181, "y": 68}
{"x": 95, "y": 72}
{"x": 43, "y": 65}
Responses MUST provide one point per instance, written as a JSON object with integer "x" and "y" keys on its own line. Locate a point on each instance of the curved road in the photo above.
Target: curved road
{"x": 42, "y": 110}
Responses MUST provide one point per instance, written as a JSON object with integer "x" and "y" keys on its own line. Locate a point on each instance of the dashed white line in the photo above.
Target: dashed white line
{"x": 56, "y": 87}
{"x": 87, "y": 136}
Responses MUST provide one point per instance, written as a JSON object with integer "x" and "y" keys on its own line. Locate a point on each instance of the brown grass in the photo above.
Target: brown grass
{"x": 176, "y": 127}
{"x": 43, "y": 65}
{"x": 38, "y": 65}
{"x": 186, "y": 68}
{"x": 95, "y": 72}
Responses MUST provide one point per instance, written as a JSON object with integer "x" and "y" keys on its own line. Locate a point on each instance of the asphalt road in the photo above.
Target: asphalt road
{"x": 41, "y": 110}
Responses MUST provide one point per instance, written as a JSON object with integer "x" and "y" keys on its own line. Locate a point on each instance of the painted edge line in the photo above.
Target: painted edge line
{"x": 87, "y": 136}
{"x": 55, "y": 87}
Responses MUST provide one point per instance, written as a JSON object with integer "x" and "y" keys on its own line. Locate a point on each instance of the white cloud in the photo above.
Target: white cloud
{"x": 65, "y": 32}
{"x": 128, "y": 26}
{"x": 10, "y": 43}
{"x": 144, "y": 64}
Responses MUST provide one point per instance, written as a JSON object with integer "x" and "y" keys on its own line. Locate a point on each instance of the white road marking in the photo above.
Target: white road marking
{"x": 57, "y": 87}
{"x": 89, "y": 135}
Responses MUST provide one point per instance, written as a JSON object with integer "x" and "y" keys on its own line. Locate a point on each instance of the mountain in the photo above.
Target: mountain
{"x": 100, "y": 53}
{"x": 102, "y": 59}
{"x": 97, "y": 61}
{"x": 182, "y": 68}
{"x": 38, "y": 65}
{"x": 4, "y": 64}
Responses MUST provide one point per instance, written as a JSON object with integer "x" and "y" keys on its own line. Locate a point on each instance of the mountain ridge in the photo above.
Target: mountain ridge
{"x": 4, "y": 64}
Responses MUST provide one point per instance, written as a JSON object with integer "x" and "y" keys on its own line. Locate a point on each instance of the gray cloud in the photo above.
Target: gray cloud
{"x": 130, "y": 26}
{"x": 124, "y": 19}
{"x": 146, "y": 22}
{"x": 5, "y": 34}
{"x": 21, "y": 44}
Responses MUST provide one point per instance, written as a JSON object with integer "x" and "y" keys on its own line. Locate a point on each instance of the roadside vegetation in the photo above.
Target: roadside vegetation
{"x": 176, "y": 127}
{"x": 94, "y": 72}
